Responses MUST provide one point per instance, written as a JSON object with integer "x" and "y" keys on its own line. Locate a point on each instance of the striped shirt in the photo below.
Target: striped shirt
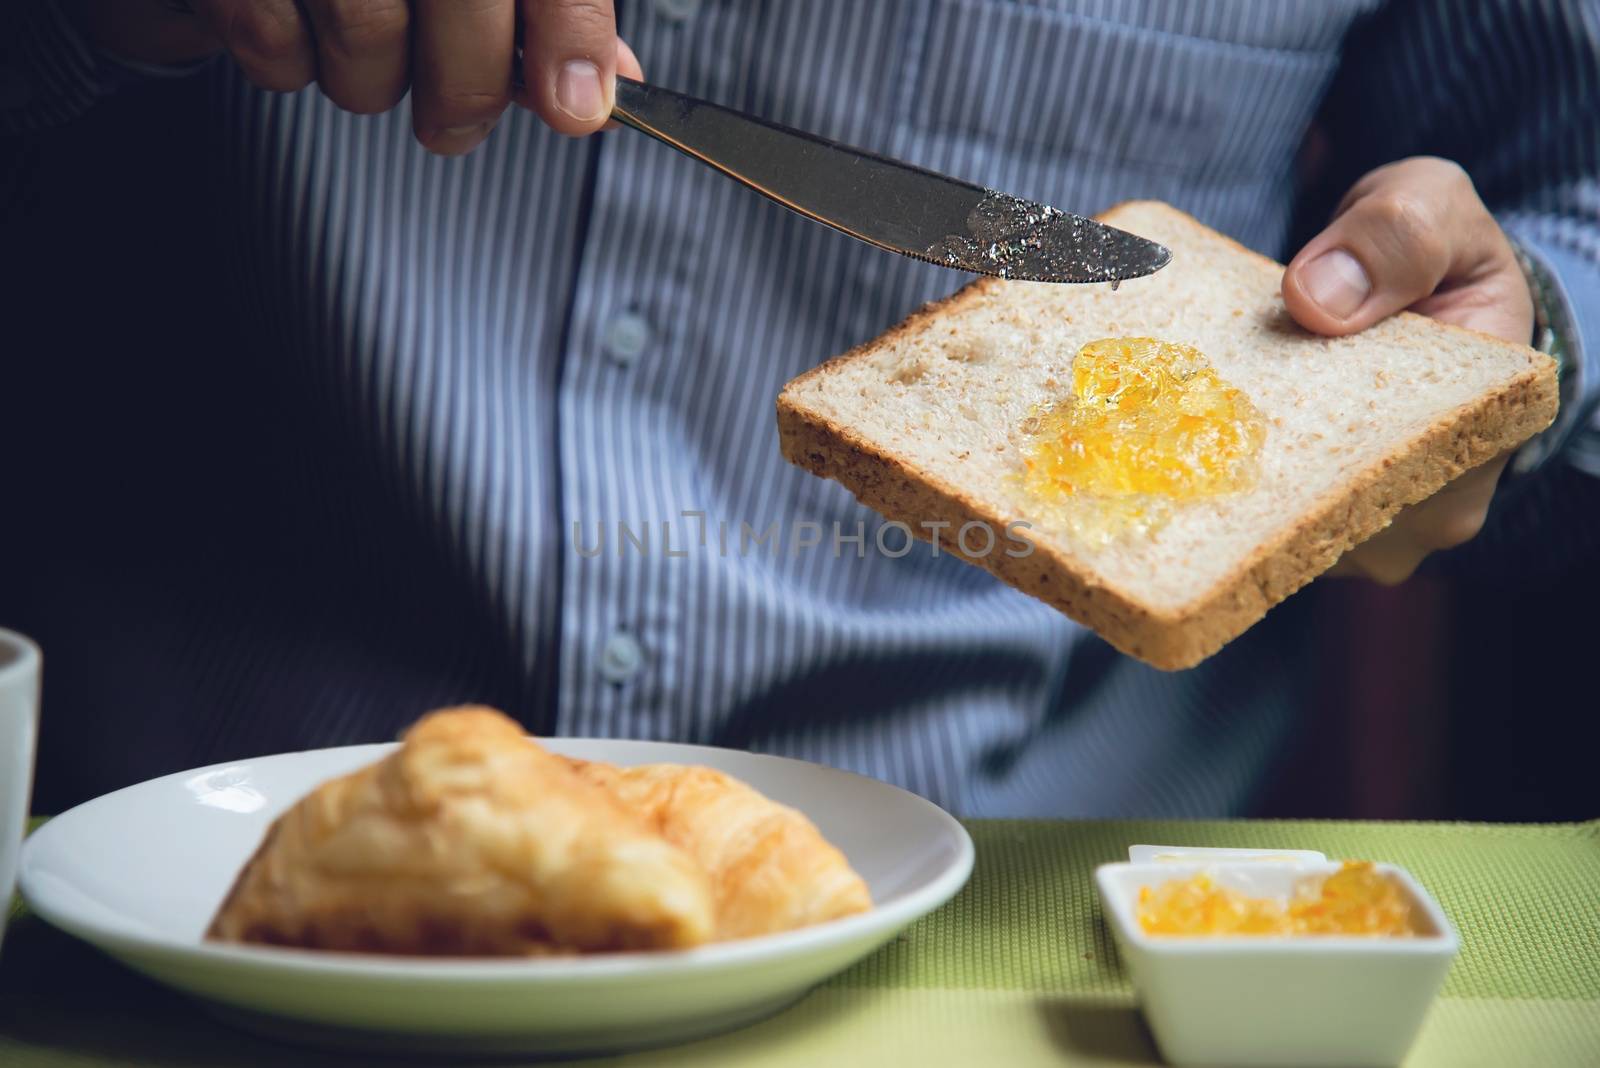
{"x": 500, "y": 427}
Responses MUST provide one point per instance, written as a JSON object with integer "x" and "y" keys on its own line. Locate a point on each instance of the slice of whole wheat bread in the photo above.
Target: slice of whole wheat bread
{"x": 924, "y": 424}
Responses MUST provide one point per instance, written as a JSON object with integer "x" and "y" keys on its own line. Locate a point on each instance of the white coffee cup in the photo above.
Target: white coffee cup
{"x": 19, "y": 727}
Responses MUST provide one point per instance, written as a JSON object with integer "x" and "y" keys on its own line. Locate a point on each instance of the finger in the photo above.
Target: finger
{"x": 1455, "y": 514}
{"x": 1388, "y": 559}
{"x": 1449, "y": 518}
{"x": 570, "y": 62}
{"x": 268, "y": 39}
{"x": 1403, "y": 230}
{"x": 627, "y": 67}
{"x": 627, "y": 62}
{"x": 362, "y": 51}
{"x": 462, "y": 81}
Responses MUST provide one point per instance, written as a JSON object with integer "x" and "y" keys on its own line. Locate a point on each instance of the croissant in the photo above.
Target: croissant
{"x": 469, "y": 839}
{"x": 771, "y": 870}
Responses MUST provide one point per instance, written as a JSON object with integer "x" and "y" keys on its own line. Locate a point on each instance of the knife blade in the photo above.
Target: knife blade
{"x": 887, "y": 203}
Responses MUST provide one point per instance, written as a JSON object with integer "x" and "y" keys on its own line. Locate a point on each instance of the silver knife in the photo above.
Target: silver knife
{"x": 884, "y": 202}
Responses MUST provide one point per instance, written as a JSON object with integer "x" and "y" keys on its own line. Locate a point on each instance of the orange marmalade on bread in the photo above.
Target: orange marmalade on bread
{"x": 1355, "y": 900}
{"x": 1146, "y": 423}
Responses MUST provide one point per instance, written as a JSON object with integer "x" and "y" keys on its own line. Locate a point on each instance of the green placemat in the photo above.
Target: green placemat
{"x": 1018, "y": 969}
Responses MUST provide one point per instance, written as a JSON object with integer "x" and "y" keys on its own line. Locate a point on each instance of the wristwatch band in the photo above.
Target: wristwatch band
{"x": 1546, "y": 336}
{"x": 1552, "y": 326}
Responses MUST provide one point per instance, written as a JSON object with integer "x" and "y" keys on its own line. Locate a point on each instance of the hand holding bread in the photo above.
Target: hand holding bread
{"x": 935, "y": 424}
{"x": 1414, "y": 235}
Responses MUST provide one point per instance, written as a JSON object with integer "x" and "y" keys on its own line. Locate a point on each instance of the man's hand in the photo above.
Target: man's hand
{"x": 456, "y": 56}
{"x": 1413, "y": 235}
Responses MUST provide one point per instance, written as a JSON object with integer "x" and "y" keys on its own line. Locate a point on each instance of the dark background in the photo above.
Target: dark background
{"x": 1468, "y": 693}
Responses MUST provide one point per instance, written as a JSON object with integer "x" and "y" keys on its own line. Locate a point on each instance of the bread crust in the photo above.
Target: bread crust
{"x": 1170, "y": 639}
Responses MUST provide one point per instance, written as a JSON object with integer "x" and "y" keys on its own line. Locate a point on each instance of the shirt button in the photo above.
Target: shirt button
{"x": 626, "y": 338}
{"x": 622, "y": 658}
{"x": 677, "y": 10}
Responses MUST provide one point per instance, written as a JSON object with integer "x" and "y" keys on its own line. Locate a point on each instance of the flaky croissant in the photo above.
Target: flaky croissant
{"x": 771, "y": 869}
{"x": 469, "y": 839}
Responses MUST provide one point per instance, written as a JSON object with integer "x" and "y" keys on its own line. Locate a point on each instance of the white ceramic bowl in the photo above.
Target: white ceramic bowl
{"x": 1327, "y": 1000}
{"x": 141, "y": 871}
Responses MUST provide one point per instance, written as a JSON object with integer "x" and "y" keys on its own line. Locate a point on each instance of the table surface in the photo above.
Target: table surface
{"x": 1019, "y": 969}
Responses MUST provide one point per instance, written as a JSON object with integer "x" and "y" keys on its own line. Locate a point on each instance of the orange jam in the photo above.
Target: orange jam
{"x": 1146, "y": 422}
{"x": 1355, "y": 900}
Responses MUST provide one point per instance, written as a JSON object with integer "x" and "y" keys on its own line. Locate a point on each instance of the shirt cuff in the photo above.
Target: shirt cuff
{"x": 1573, "y": 326}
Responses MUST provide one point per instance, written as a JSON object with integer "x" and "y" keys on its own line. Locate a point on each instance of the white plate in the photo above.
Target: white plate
{"x": 140, "y": 872}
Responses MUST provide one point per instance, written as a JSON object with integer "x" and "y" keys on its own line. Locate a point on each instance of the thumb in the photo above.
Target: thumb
{"x": 1402, "y": 232}
{"x": 570, "y": 62}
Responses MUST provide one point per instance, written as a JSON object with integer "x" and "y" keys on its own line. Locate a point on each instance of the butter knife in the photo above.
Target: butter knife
{"x": 887, "y": 203}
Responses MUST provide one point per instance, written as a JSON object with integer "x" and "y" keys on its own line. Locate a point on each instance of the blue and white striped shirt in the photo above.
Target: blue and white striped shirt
{"x": 423, "y": 390}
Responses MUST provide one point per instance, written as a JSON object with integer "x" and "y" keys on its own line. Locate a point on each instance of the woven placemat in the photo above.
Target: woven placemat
{"x": 1018, "y": 969}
